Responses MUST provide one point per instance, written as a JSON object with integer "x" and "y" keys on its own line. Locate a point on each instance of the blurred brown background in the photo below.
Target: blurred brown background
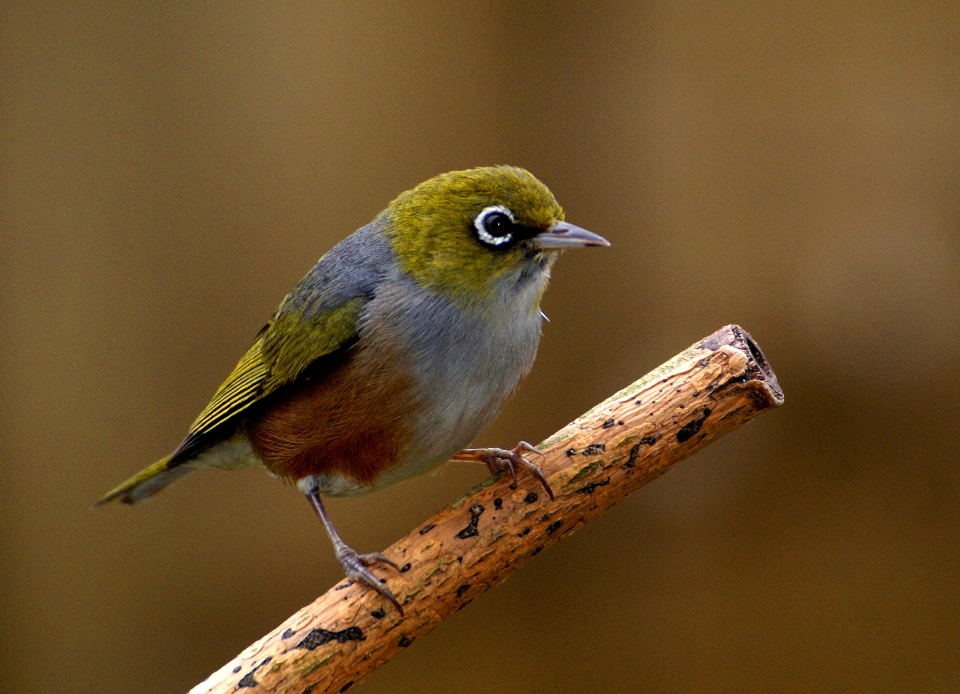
{"x": 169, "y": 171}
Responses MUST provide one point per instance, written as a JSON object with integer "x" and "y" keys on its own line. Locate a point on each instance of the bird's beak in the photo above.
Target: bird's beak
{"x": 563, "y": 235}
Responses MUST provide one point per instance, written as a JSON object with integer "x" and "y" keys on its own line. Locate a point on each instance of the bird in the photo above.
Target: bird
{"x": 393, "y": 353}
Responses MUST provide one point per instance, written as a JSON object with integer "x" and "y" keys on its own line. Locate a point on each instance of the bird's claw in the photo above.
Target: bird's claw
{"x": 355, "y": 567}
{"x": 500, "y": 460}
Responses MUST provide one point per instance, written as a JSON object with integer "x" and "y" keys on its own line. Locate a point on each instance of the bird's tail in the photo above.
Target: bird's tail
{"x": 147, "y": 482}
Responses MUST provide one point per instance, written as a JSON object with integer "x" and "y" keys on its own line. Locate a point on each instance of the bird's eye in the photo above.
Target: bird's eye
{"x": 494, "y": 225}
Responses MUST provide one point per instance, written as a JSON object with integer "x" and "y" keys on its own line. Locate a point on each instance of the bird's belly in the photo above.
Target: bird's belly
{"x": 346, "y": 425}
{"x": 461, "y": 390}
{"x": 430, "y": 430}
{"x": 414, "y": 392}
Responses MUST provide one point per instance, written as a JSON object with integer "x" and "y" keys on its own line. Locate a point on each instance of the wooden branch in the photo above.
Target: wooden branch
{"x": 621, "y": 444}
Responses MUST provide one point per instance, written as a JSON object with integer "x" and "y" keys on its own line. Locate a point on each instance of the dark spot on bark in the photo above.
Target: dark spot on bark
{"x": 536, "y": 551}
{"x": 681, "y": 406}
{"x": 690, "y": 429}
{"x": 593, "y": 485}
{"x": 427, "y": 528}
{"x": 554, "y": 527}
{"x": 696, "y": 393}
{"x": 632, "y": 460}
{"x": 248, "y": 680}
{"x": 513, "y": 485}
{"x": 343, "y": 586}
{"x": 545, "y": 517}
{"x": 620, "y": 422}
{"x": 287, "y": 634}
{"x": 571, "y": 452}
{"x": 236, "y": 669}
{"x": 524, "y": 532}
{"x": 460, "y": 560}
{"x": 498, "y": 503}
{"x": 405, "y": 568}
{"x": 463, "y": 589}
{"x": 309, "y": 689}
{"x": 530, "y": 498}
{"x": 404, "y": 641}
{"x": 648, "y": 440}
{"x": 594, "y": 449}
{"x": 712, "y": 343}
{"x": 471, "y": 530}
{"x": 319, "y": 637}
{"x": 378, "y": 613}
{"x": 609, "y": 423}
{"x": 382, "y": 580}
{"x": 346, "y": 686}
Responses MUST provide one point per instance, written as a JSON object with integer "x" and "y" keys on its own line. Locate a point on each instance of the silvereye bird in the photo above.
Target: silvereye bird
{"x": 394, "y": 352}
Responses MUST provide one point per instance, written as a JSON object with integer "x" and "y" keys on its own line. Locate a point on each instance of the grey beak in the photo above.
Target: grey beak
{"x": 563, "y": 235}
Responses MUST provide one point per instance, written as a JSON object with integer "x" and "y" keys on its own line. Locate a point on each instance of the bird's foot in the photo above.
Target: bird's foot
{"x": 355, "y": 566}
{"x": 500, "y": 460}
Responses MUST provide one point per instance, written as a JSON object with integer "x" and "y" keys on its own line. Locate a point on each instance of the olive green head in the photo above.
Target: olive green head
{"x": 463, "y": 232}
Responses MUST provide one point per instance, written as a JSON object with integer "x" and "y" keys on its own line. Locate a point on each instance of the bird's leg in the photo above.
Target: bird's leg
{"x": 500, "y": 459}
{"x": 354, "y": 565}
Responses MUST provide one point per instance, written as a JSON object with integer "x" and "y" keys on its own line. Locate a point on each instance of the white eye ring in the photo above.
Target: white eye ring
{"x": 480, "y": 225}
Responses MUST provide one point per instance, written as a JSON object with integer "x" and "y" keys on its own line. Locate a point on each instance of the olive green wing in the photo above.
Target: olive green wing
{"x": 319, "y": 318}
{"x": 287, "y": 345}
{"x": 243, "y": 387}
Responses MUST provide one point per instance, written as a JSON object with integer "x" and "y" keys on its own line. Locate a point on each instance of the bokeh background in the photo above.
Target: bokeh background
{"x": 170, "y": 170}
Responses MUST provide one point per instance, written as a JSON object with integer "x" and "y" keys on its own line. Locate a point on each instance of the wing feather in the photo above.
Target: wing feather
{"x": 320, "y": 316}
{"x": 283, "y": 351}
{"x": 238, "y": 392}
